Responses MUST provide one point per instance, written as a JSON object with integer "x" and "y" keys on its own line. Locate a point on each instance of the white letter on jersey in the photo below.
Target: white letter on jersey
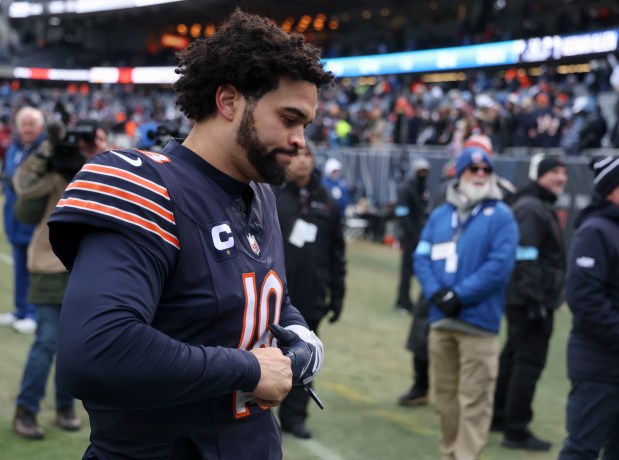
{"x": 216, "y": 233}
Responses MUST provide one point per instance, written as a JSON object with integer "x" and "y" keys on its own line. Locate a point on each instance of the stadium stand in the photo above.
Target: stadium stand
{"x": 374, "y": 123}
{"x": 149, "y": 35}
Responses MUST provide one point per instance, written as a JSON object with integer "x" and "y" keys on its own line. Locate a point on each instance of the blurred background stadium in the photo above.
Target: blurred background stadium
{"x": 415, "y": 78}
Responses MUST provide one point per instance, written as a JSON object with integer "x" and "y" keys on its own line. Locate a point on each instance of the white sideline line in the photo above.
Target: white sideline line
{"x": 6, "y": 259}
{"x": 319, "y": 450}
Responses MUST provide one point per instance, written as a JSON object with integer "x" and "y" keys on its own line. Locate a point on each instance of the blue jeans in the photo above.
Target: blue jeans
{"x": 39, "y": 363}
{"x": 592, "y": 421}
{"x": 23, "y": 309}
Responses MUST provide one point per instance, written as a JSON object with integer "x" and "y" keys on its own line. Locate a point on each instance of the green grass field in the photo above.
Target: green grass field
{"x": 366, "y": 368}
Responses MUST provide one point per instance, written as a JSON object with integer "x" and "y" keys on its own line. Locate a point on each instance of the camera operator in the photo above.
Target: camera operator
{"x": 39, "y": 184}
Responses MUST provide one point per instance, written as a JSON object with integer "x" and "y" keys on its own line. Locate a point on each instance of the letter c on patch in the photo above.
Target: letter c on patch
{"x": 217, "y": 232}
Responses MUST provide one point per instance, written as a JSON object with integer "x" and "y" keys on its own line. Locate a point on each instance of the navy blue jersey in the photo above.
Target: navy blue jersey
{"x": 189, "y": 271}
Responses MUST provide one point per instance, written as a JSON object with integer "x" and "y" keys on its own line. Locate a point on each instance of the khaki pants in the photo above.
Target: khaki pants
{"x": 464, "y": 370}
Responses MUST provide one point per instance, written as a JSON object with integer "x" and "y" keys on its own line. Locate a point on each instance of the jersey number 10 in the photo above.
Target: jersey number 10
{"x": 256, "y": 322}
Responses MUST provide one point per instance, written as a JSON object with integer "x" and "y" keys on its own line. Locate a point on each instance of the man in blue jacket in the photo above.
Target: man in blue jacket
{"x": 463, "y": 261}
{"x": 30, "y": 125}
{"x": 592, "y": 291}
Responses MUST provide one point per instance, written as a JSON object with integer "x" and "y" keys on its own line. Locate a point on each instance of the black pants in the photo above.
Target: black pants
{"x": 592, "y": 421}
{"x": 293, "y": 410}
{"x": 421, "y": 380}
{"x": 520, "y": 366}
{"x": 406, "y": 273}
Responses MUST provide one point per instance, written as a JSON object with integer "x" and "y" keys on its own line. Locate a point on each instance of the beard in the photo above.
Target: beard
{"x": 474, "y": 193}
{"x": 264, "y": 162}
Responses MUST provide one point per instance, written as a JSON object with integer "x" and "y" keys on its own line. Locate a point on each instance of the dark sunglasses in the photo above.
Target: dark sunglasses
{"x": 476, "y": 169}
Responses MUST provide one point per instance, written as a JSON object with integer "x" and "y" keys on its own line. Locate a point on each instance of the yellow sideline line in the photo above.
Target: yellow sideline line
{"x": 351, "y": 394}
{"x": 405, "y": 422}
{"x": 346, "y": 392}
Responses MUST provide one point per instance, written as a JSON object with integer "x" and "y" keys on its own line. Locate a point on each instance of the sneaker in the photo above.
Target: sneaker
{"x": 25, "y": 326}
{"x": 414, "y": 397}
{"x": 531, "y": 442}
{"x": 67, "y": 419}
{"x": 7, "y": 319}
{"x": 298, "y": 431}
{"x": 25, "y": 424}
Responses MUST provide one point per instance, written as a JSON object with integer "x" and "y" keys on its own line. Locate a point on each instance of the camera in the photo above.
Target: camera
{"x": 66, "y": 156}
{"x": 155, "y": 136}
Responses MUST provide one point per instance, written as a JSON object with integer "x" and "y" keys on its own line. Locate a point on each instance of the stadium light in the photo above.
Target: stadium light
{"x": 209, "y": 30}
{"x": 500, "y": 54}
{"x": 24, "y": 9}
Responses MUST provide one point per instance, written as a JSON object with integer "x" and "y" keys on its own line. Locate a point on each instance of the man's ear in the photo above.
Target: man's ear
{"x": 227, "y": 99}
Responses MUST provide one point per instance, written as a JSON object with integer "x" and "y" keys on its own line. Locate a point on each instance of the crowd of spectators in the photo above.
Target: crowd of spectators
{"x": 120, "y": 109}
{"x": 512, "y": 107}
{"x": 519, "y": 111}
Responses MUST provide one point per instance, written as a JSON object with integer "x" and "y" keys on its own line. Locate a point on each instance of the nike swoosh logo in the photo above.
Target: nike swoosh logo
{"x": 132, "y": 161}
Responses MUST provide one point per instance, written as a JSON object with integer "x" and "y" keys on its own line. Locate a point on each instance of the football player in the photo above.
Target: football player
{"x": 178, "y": 267}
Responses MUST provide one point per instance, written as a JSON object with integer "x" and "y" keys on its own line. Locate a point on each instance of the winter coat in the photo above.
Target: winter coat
{"x": 17, "y": 232}
{"x": 538, "y": 277}
{"x": 592, "y": 291}
{"x": 315, "y": 265}
{"x": 411, "y": 209}
{"x": 37, "y": 198}
{"x": 485, "y": 250}
{"x": 339, "y": 191}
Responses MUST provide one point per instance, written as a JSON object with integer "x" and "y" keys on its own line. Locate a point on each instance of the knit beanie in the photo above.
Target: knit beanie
{"x": 479, "y": 140}
{"x": 606, "y": 170}
{"x": 472, "y": 156}
{"x": 547, "y": 164}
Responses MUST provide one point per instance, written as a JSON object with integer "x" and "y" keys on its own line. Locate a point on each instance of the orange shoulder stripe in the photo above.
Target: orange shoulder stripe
{"x": 130, "y": 177}
{"x": 121, "y": 215}
{"x": 123, "y": 195}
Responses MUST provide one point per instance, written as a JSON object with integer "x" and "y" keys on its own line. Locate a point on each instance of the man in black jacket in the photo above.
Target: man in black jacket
{"x": 534, "y": 292}
{"x": 315, "y": 262}
{"x": 411, "y": 211}
{"x": 592, "y": 291}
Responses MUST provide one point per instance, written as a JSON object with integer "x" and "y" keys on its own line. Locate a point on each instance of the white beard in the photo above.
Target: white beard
{"x": 474, "y": 193}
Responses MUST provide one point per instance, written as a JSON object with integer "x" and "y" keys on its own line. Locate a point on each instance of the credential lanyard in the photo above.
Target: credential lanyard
{"x": 458, "y": 227}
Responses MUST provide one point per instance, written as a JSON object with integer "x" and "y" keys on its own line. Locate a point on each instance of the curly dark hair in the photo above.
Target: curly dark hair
{"x": 248, "y": 52}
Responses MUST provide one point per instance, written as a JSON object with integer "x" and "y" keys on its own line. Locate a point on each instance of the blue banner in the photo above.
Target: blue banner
{"x": 511, "y": 52}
